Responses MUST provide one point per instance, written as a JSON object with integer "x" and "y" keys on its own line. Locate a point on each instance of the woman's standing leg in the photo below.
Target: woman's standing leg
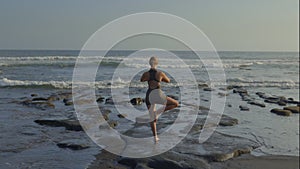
{"x": 153, "y": 119}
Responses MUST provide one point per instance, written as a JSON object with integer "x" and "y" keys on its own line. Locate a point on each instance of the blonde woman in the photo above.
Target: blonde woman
{"x": 155, "y": 95}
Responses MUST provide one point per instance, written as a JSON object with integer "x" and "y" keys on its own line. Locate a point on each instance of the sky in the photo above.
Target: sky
{"x": 231, "y": 25}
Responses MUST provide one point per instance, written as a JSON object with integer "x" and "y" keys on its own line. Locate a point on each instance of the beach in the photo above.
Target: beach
{"x": 259, "y": 127}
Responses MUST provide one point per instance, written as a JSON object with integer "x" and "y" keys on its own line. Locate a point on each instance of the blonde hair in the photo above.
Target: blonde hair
{"x": 153, "y": 61}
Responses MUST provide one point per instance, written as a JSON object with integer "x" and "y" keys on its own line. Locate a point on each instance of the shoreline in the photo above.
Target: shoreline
{"x": 247, "y": 161}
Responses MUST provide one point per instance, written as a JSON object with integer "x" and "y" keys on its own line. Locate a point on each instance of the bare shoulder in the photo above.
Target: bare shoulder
{"x": 161, "y": 73}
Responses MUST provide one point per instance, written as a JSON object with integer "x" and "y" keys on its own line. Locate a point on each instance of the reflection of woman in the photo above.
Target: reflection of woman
{"x": 155, "y": 95}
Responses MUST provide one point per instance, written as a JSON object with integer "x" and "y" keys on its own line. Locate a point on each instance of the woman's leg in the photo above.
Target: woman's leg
{"x": 152, "y": 112}
{"x": 171, "y": 104}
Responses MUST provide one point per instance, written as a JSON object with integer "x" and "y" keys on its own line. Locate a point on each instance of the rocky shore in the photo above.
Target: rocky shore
{"x": 219, "y": 151}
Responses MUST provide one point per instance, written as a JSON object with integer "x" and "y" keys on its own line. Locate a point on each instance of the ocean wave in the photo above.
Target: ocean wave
{"x": 119, "y": 83}
{"x": 4, "y": 82}
{"x": 140, "y": 61}
{"x": 263, "y": 83}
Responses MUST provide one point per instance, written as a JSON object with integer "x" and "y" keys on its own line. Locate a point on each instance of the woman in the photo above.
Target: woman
{"x": 155, "y": 95}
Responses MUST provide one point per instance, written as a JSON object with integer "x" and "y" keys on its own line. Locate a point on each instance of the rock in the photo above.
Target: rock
{"x": 128, "y": 162}
{"x": 122, "y": 115}
{"x": 229, "y": 105}
{"x": 228, "y": 121}
{"x": 203, "y": 108}
{"x": 241, "y": 90}
{"x": 219, "y": 147}
{"x": 73, "y": 125}
{"x": 165, "y": 164}
{"x": 39, "y": 104}
{"x": 271, "y": 101}
{"x": 244, "y": 108}
{"x": 109, "y": 101}
{"x": 202, "y": 85}
{"x": 247, "y": 98}
{"x": 208, "y": 89}
{"x": 281, "y": 103}
{"x": 223, "y": 94}
{"x": 105, "y": 116}
{"x": 224, "y": 157}
{"x": 137, "y": 101}
{"x": 100, "y": 99}
{"x": 39, "y": 99}
{"x": 260, "y": 94}
{"x": 33, "y": 95}
{"x": 74, "y": 144}
{"x": 293, "y": 109}
{"x": 293, "y": 102}
{"x": 112, "y": 124}
{"x": 68, "y": 102}
{"x": 229, "y": 87}
{"x": 281, "y": 112}
{"x": 53, "y": 98}
{"x": 257, "y": 103}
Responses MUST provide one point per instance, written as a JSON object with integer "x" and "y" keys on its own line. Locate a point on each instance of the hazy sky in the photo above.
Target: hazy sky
{"x": 260, "y": 25}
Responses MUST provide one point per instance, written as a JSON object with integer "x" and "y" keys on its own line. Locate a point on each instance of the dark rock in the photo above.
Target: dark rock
{"x": 105, "y": 116}
{"x": 240, "y": 91}
{"x": 112, "y": 124}
{"x": 203, "y": 108}
{"x": 281, "y": 112}
{"x": 38, "y": 104}
{"x": 228, "y": 121}
{"x": 293, "y": 109}
{"x": 222, "y": 88}
{"x": 244, "y": 108}
{"x": 122, "y": 115}
{"x": 260, "y": 94}
{"x": 142, "y": 166}
{"x": 202, "y": 85}
{"x": 73, "y": 125}
{"x": 165, "y": 164}
{"x": 132, "y": 163}
{"x": 271, "y": 101}
{"x": 39, "y": 99}
{"x": 229, "y": 105}
{"x": 74, "y": 144}
{"x": 293, "y": 102}
{"x": 53, "y": 98}
{"x": 219, "y": 147}
{"x": 206, "y": 100}
{"x": 68, "y": 102}
{"x": 229, "y": 87}
{"x": 33, "y": 95}
{"x": 257, "y": 103}
{"x": 100, "y": 99}
{"x": 223, "y": 94}
{"x": 281, "y": 103}
{"x": 109, "y": 101}
{"x": 291, "y": 99}
{"x": 208, "y": 89}
{"x": 247, "y": 98}
{"x": 224, "y": 157}
{"x": 137, "y": 101}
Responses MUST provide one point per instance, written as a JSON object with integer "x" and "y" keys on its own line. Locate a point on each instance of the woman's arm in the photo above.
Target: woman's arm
{"x": 144, "y": 77}
{"x": 165, "y": 78}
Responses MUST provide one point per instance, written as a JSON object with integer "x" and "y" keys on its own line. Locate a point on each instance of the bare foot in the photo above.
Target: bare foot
{"x": 156, "y": 139}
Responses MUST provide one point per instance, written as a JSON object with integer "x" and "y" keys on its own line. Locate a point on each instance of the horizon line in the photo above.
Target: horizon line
{"x": 175, "y": 50}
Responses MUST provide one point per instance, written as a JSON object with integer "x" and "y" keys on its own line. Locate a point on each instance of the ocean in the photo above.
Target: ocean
{"x": 44, "y": 72}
